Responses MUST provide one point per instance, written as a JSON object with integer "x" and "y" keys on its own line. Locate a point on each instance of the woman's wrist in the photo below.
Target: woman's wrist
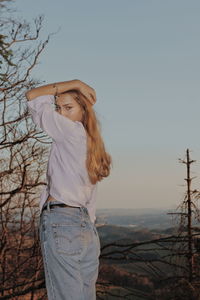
{"x": 77, "y": 84}
{"x": 64, "y": 86}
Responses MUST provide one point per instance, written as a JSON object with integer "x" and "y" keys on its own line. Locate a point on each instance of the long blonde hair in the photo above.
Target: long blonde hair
{"x": 98, "y": 161}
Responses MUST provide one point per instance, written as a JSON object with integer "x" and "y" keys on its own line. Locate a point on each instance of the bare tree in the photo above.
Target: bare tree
{"x": 169, "y": 264}
{"x": 23, "y": 160}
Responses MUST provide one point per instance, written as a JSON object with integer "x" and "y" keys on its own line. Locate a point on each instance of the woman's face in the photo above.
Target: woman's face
{"x": 68, "y": 107}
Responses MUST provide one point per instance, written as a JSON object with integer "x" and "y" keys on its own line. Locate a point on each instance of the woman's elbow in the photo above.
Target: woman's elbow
{"x": 29, "y": 95}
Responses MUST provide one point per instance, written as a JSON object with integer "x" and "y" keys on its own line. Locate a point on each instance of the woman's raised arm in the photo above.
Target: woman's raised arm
{"x": 63, "y": 86}
{"x": 52, "y": 88}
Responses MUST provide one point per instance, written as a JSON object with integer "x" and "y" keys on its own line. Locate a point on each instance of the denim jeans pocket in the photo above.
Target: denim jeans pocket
{"x": 67, "y": 238}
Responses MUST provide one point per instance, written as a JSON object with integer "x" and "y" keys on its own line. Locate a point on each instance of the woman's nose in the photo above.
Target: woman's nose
{"x": 61, "y": 112}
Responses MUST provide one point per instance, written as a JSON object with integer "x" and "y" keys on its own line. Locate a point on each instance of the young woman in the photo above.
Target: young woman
{"x": 77, "y": 162}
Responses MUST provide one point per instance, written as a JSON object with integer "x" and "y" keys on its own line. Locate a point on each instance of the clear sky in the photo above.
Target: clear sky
{"x": 143, "y": 59}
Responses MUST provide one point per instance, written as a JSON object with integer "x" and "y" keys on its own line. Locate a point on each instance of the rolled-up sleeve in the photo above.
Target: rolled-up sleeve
{"x": 45, "y": 116}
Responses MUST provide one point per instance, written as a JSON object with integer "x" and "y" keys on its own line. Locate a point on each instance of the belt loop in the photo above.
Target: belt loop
{"x": 84, "y": 210}
{"x": 48, "y": 208}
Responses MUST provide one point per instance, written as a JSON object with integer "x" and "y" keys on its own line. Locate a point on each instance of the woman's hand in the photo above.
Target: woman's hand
{"x": 87, "y": 91}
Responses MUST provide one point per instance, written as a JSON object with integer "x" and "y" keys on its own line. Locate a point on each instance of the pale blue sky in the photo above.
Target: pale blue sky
{"x": 143, "y": 59}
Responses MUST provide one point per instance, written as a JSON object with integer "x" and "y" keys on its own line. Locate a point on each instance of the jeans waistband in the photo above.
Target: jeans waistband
{"x": 49, "y": 203}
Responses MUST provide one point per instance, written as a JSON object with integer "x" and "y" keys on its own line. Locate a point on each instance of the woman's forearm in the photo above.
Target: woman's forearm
{"x": 52, "y": 88}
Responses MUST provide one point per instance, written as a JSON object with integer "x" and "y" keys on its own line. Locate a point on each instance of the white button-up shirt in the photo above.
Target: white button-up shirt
{"x": 67, "y": 176}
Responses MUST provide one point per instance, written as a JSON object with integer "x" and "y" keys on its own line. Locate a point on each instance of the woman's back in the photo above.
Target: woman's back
{"x": 67, "y": 176}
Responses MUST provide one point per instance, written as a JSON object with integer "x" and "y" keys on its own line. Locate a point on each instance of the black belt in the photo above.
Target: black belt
{"x": 57, "y": 204}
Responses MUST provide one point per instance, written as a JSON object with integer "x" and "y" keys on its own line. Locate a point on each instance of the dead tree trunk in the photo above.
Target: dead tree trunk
{"x": 189, "y": 217}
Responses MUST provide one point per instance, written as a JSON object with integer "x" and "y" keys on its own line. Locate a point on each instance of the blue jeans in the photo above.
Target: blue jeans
{"x": 70, "y": 248}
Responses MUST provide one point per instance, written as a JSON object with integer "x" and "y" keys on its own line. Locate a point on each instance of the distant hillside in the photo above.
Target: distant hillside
{"x": 149, "y": 218}
{"x": 138, "y": 218}
{"x": 114, "y": 233}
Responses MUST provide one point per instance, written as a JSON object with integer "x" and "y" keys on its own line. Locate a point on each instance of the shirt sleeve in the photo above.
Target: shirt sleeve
{"x": 49, "y": 120}
{"x": 91, "y": 205}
